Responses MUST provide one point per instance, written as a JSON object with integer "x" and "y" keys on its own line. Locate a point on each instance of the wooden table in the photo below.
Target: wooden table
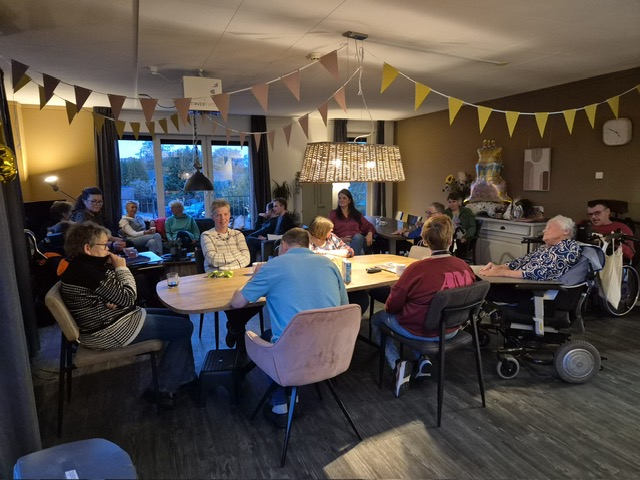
{"x": 201, "y": 294}
{"x": 386, "y": 231}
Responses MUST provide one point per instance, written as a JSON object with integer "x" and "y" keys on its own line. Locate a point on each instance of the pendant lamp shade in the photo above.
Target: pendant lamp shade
{"x": 197, "y": 182}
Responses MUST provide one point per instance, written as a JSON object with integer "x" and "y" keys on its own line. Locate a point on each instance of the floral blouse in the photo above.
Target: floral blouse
{"x": 548, "y": 262}
{"x": 333, "y": 243}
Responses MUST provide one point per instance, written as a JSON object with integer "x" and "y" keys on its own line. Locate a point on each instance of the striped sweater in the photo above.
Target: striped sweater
{"x": 88, "y": 286}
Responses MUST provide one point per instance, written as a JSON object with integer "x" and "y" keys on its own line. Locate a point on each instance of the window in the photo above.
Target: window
{"x": 232, "y": 178}
{"x": 137, "y": 174}
{"x": 177, "y": 166}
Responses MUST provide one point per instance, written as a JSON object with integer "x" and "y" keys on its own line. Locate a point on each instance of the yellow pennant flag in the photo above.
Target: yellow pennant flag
{"x": 98, "y": 122}
{"x": 569, "y": 117}
{"x": 541, "y": 120}
{"x": 512, "y": 119}
{"x": 135, "y": 126}
{"x": 614, "y": 103}
{"x": 389, "y": 74}
{"x": 590, "y": 110}
{"x": 421, "y": 93}
{"x": 483, "y": 116}
{"x": 455, "y": 104}
{"x": 120, "y": 124}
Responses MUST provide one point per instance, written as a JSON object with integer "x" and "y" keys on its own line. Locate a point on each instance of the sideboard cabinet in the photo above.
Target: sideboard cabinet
{"x": 500, "y": 241}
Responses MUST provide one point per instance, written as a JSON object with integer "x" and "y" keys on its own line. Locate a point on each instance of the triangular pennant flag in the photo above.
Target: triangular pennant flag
{"x": 24, "y": 81}
{"x": 174, "y": 119}
{"x": 483, "y": 116}
{"x": 50, "y": 84}
{"x": 228, "y": 135}
{"x": 340, "y": 98}
{"x": 304, "y": 123}
{"x": 287, "y": 133}
{"x": 242, "y": 135}
{"x": 120, "y": 124}
{"x": 71, "y": 110}
{"x": 324, "y": 109}
{"x": 421, "y": 93}
{"x": 148, "y": 107}
{"x": 18, "y": 71}
{"x": 569, "y": 117}
{"x": 292, "y": 82}
{"x": 135, "y": 126}
{"x": 512, "y": 119}
{"x": 261, "y": 92}
{"x": 82, "y": 94}
{"x": 256, "y": 138}
{"x": 454, "y": 107}
{"x": 541, "y": 120}
{"x": 614, "y": 102}
{"x": 389, "y": 74}
{"x": 222, "y": 102}
{"x": 43, "y": 101}
{"x": 590, "y": 110}
{"x": 98, "y": 122}
{"x": 151, "y": 127}
{"x": 330, "y": 62}
{"x": 271, "y": 136}
{"x": 182, "y": 106}
{"x": 163, "y": 125}
{"x": 116, "y": 102}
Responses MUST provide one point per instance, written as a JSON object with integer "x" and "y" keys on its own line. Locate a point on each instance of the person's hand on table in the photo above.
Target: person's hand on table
{"x": 400, "y": 231}
{"x": 369, "y": 239}
{"x": 261, "y": 237}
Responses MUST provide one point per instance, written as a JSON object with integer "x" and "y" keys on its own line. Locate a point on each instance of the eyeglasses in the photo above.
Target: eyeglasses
{"x": 103, "y": 245}
{"x": 96, "y": 202}
{"x": 595, "y": 214}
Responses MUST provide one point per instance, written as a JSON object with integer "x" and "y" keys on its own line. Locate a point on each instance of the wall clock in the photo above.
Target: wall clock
{"x": 616, "y": 131}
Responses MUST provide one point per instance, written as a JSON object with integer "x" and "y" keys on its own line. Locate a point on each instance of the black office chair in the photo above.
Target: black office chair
{"x": 450, "y": 308}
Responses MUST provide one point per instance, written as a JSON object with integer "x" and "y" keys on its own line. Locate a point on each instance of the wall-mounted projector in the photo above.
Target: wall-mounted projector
{"x": 200, "y": 89}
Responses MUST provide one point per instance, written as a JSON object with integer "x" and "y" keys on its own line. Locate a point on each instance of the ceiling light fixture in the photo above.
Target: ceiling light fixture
{"x": 331, "y": 162}
{"x": 198, "y": 181}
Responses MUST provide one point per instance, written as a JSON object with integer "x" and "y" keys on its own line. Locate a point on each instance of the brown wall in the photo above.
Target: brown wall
{"x": 431, "y": 149}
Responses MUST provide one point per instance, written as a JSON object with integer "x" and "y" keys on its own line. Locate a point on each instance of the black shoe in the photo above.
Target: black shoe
{"x": 278, "y": 420}
{"x": 188, "y": 388}
{"x": 166, "y": 400}
{"x": 234, "y": 337}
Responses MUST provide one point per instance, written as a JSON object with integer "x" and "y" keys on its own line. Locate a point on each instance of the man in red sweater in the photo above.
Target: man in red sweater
{"x": 599, "y": 212}
{"x": 410, "y": 298}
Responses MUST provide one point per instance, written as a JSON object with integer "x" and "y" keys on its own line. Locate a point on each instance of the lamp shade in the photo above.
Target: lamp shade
{"x": 329, "y": 162}
{"x": 197, "y": 182}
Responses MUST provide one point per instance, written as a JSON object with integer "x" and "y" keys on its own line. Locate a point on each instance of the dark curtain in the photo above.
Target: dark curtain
{"x": 340, "y": 130}
{"x": 108, "y": 166}
{"x": 380, "y": 188}
{"x": 19, "y": 432}
{"x": 260, "y": 166}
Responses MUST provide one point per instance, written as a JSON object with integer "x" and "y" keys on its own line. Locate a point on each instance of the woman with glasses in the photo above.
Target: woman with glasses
{"x": 436, "y": 208}
{"x": 88, "y": 208}
{"x": 100, "y": 293}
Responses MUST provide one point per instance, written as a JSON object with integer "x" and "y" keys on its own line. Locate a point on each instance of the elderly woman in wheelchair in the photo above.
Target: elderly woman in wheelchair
{"x": 534, "y": 316}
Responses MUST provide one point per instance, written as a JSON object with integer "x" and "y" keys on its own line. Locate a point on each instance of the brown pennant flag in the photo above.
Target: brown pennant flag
{"x": 222, "y": 102}
{"x": 271, "y": 136}
{"x": 287, "y": 133}
{"x": 120, "y": 124}
{"x": 135, "y": 126}
{"x": 163, "y": 125}
{"x": 292, "y": 82}
{"x": 116, "y": 101}
{"x": 18, "y": 72}
{"x": 242, "y": 135}
{"x": 174, "y": 119}
{"x": 98, "y": 122}
{"x": 340, "y": 98}
{"x": 323, "y": 109}
{"x": 330, "y": 62}
{"x": 43, "y": 102}
{"x": 151, "y": 127}
{"x": 182, "y": 105}
{"x": 228, "y": 135}
{"x": 82, "y": 94}
{"x": 71, "y": 110}
{"x": 148, "y": 107}
{"x": 261, "y": 92}
{"x": 256, "y": 138}
{"x": 304, "y": 123}
{"x": 24, "y": 81}
{"x": 50, "y": 84}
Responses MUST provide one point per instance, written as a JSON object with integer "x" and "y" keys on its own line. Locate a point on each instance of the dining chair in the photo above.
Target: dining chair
{"x": 450, "y": 308}
{"x": 315, "y": 347}
{"x": 83, "y": 356}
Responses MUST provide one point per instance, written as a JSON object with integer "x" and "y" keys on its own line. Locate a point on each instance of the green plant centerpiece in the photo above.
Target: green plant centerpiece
{"x": 281, "y": 190}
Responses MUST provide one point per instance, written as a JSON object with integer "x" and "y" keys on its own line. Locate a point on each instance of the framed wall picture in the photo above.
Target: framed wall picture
{"x": 537, "y": 169}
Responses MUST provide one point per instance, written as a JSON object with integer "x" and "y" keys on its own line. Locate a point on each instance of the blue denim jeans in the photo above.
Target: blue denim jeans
{"x": 357, "y": 243}
{"x": 176, "y": 366}
{"x": 391, "y": 351}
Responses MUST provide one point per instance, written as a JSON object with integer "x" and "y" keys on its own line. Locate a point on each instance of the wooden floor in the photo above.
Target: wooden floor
{"x": 535, "y": 426}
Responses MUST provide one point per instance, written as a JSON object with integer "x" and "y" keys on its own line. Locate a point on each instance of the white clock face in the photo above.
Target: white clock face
{"x": 617, "y": 131}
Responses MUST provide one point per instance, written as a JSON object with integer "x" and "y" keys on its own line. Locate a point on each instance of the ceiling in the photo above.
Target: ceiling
{"x": 452, "y": 46}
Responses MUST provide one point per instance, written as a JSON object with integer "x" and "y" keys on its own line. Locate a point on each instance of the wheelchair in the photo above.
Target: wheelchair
{"x": 544, "y": 336}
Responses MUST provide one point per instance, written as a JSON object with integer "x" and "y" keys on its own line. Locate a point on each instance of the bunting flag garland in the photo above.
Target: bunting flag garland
{"x": 174, "y": 121}
{"x": 120, "y": 125}
{"x": 483, "y": 116}
{"x": 541, "y": 120}
{"x": 261, "y": 92}
{"x": 512, "y": 119}
{"x": 222, "y": 102}
{"x": 135, "y": 126}
{"x": 256, "y": 138}
{"x": 23, "y": 82}
{"x": 339, "y": 97}
{"x": 42, "y": 95}
{"x": 151, "y": 127}
{"x": 324, "y": 111}
{"x": 271, "y": 136}
{"x": 389, "y": 74}
{"x": 569, "y": 117}
{"x": 98, "y": 122}
{"x": 287, "y": 133}
{"x": 228, "y": 134}
{"x": 116, "y": 102}
{"x": 18, "y": 72}
{"x": 590, "y": 110}
{"x": 242, "y": 135}
{"x": 163, "y": 125}
{"x": 182, "y": 106}
{"x": 71, "y": 110}
{"x": 330, "y": 62}
{"x": 50, "y": 84}
{"x": 148, "y": 107}
{"x": 82, "y": 94}
{"x": 614, "y": 103}
{"x": 304, "y": 123}
{"x": 292, "y": 82}
{"x": 422, "y": 91}
{"x": 455, "y": 104}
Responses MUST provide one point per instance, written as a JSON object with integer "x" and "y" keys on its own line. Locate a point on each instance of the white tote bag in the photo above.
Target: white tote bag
{"x": 611, "y": 278}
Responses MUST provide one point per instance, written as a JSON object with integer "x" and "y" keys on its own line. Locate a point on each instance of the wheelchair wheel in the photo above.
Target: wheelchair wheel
{"x": 629, "y": 292}
{"x": 508, "y": 367}
{"x": 577, "y": 361}
{"x": 484, "y": 338}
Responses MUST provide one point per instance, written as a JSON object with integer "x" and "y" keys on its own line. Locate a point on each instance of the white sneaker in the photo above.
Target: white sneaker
{"x": 425, "y": 367}
{"x": 403, "y": 376}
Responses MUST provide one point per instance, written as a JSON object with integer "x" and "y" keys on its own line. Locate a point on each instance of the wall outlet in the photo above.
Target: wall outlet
{"x": 599, "y": 175}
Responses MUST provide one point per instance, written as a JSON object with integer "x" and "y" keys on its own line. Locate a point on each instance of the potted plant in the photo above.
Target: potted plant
{"x": 281, "y": 190}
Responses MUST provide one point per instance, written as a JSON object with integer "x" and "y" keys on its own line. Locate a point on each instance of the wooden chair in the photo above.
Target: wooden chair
{"x": 84, "y": 356}
{"x": 316, "y": 346}
{"x": 450, "y": 308}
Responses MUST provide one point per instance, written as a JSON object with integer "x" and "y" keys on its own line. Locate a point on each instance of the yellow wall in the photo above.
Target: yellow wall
{"x": 431, "y": 149}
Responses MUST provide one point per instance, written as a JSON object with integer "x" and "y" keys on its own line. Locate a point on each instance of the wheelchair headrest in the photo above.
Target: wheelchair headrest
{"x": 591, "y": 260}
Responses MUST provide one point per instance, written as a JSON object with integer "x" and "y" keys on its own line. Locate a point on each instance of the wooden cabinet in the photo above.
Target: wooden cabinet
{"x": 316, "y": 200}
{"x": 500, "y": 241}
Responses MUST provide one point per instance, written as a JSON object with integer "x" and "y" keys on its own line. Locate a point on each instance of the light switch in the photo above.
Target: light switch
{"x": 599, "y": 175}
